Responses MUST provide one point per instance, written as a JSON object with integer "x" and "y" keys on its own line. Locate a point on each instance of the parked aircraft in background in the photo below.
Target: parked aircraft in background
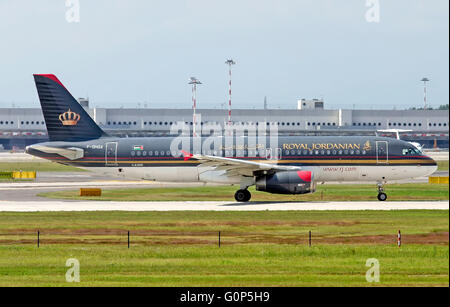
{"x": 397, "y": 136}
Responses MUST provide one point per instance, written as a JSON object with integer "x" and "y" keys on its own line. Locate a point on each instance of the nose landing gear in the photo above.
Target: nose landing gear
{"x": 242, "y": 196}
{"x": 381, "y": 195}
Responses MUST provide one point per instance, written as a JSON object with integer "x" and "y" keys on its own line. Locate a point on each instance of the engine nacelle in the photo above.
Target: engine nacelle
{"x": 290, "y": 182}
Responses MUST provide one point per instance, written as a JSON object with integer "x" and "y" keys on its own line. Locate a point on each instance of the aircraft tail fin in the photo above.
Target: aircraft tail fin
{"x": 65, "y": 118}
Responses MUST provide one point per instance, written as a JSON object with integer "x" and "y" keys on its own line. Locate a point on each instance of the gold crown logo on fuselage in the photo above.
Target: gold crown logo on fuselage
{"x": 367, "y": 146}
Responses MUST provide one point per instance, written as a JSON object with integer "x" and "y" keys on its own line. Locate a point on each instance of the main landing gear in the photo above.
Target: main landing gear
{"x": 242, "y": 196}
{"x": 381, "y": 195}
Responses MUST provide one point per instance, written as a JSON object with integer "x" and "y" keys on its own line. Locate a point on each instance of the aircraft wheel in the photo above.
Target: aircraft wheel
{"x": 382, "y": 196}
{"x": 242, "y": 196}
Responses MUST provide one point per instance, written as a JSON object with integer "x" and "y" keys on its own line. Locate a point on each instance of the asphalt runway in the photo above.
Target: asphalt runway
{"x": 43, "y": 206}
{"x": 23, "y": 197}
{"x": 28, "y": 191}
{"x": 58, "y": 181}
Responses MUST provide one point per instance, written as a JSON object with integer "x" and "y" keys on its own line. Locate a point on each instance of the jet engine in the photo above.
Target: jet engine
{"x": 289, "y": 182}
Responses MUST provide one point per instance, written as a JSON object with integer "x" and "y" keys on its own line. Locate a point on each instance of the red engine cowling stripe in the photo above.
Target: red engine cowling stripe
{"x": 305, "y": 175}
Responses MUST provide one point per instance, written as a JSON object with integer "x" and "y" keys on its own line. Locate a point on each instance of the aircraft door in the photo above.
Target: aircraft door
{"x": 278, "y": 154}
{"x": 268, "y": 153}
{"x": 382, "y": 152}
{"x": 273, "y": 153}
{"x": 111, "y": 153}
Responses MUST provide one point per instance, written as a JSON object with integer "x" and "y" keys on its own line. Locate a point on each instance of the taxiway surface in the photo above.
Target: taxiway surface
{"x": 37, "y": 206}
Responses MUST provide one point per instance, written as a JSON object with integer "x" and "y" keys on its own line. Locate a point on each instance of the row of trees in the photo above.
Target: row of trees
{"x": 441, "y": 107}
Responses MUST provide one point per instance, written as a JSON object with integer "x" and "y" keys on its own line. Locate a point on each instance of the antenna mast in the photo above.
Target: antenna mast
{"x": 193, "y": 81}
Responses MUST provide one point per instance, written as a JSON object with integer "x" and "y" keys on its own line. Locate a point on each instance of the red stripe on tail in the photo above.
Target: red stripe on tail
{"x": 51, "y": 77}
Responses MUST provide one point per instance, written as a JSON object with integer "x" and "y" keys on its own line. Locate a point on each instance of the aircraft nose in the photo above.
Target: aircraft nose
{"x": 432, "y": 165}
{"x": 432, "y": 161}
{"x": 435, "y": 163}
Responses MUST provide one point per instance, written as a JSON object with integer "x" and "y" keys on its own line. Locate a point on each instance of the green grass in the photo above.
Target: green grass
{"x": 251, "y": 265}
{"x": 341, "y": 192}
{"x": 37, "y": 167}
{"x": 442, "y": 165}
{"x": 258, "y": 248}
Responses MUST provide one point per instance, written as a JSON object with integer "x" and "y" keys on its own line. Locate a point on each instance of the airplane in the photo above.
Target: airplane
{"x": 397, "y": 136}
{"x": 293, "y": 166}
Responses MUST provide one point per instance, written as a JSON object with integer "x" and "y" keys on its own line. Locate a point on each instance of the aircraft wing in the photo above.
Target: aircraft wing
{"x": 71, "y": 153}
{"x": 238, "y": 167}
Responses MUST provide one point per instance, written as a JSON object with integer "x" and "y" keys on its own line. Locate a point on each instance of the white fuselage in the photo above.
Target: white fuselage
{"x": 327, "y": 173}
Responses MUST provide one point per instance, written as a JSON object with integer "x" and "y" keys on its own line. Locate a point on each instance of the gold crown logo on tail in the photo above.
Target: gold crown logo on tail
{"x": 69, "y": 118}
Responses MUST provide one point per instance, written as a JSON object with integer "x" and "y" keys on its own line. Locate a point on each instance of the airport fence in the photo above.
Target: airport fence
{"x": 151, "y": 237}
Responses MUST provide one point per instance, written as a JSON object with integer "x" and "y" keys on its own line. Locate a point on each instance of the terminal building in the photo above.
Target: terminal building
{"x": 20, "y": 127}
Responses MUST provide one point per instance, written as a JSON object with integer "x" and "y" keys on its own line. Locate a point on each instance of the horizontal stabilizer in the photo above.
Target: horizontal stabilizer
{"x": 71, "y": 153}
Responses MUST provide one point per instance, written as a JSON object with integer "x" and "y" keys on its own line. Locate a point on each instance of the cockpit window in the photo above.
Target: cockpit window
{"x": 411, "y": 152}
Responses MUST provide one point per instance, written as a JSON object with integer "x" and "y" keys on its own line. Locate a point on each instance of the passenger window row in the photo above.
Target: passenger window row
{"x": 323, "y": 152}
{"x": 220, "y": 153}
{"x": 253, "y": 153}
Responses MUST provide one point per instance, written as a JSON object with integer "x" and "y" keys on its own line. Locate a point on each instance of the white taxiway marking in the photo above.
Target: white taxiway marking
{"x": 35, "y": 206}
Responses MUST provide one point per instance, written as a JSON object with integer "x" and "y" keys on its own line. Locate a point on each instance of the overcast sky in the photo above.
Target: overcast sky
{"x": 125, "y": 52}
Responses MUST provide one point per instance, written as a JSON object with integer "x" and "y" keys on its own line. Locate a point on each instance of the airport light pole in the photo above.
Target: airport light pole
{"x": 230, "y": 63}
{"x": 194, "y": 81}
{"x": 425, "y": 80}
